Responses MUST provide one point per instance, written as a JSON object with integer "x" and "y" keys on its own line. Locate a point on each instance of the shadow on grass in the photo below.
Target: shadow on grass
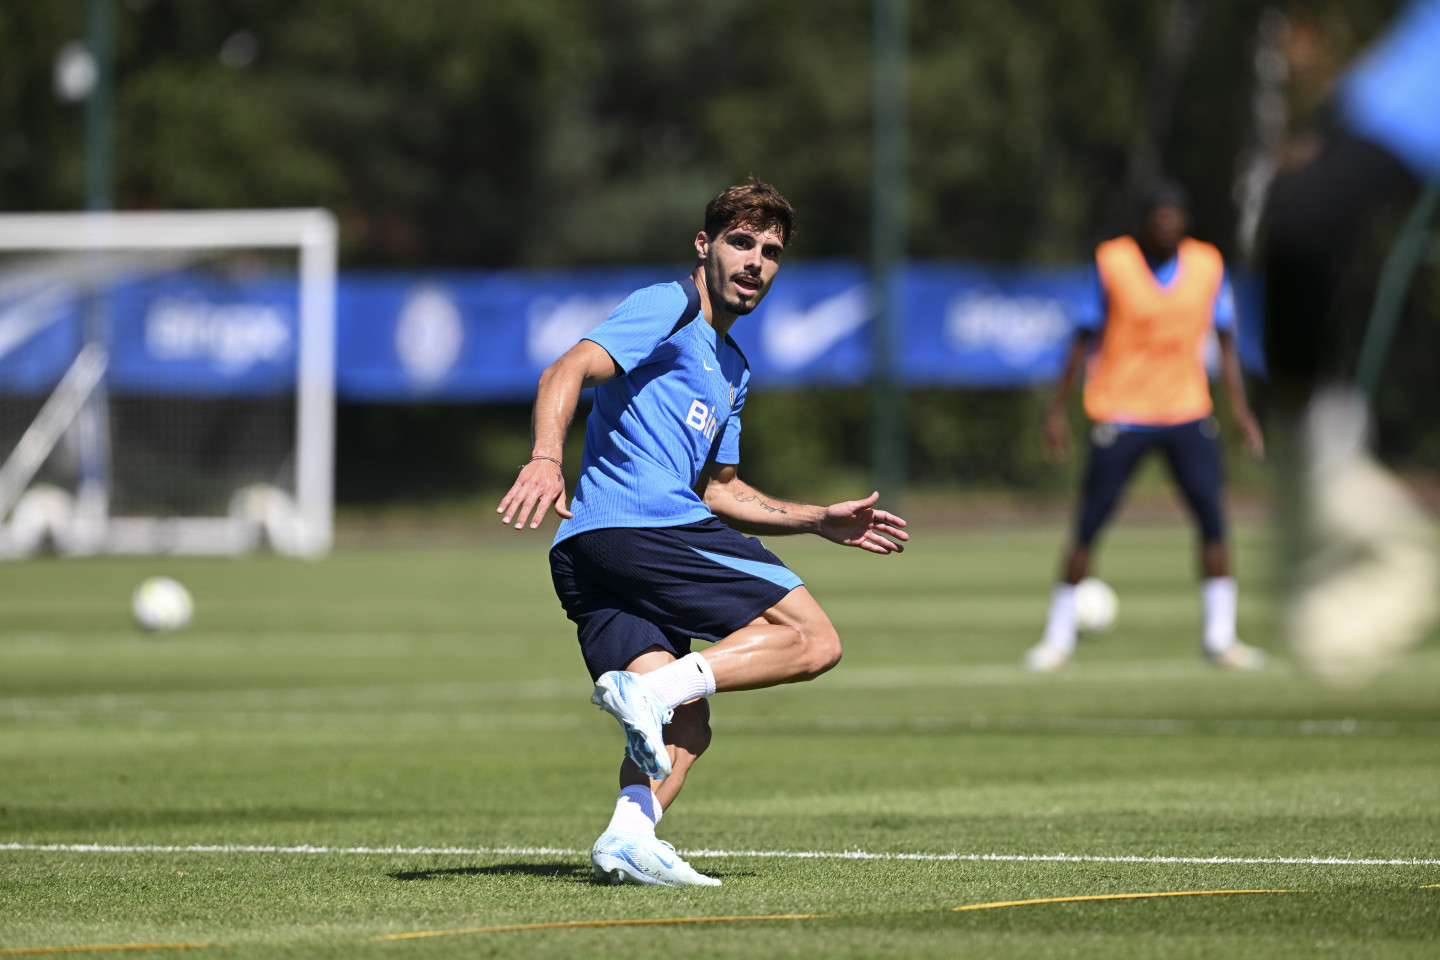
{"x": 559, "y": 871}
{"x": 549, "y": 871}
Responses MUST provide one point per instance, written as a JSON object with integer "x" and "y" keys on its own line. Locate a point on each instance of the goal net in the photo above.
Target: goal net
{"x": 167, "y": 382}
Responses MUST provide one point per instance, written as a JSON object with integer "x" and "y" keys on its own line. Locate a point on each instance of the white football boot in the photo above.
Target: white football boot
{"x": 630, "y": 700}
{"x": 1238, "y": 656}
{"x": 644, "y": 859}
{"x": 1045, "y": 658}
{"x": 1364, "y": 590}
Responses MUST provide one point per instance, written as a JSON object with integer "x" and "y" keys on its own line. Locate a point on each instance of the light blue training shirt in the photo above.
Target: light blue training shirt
{"x": 652, "y": 430}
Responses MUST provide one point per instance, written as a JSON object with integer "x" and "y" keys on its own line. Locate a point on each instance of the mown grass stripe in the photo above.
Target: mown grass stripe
{"x": 265, "y": 717}
{"x": 570, "y": 687}
{"x": 660, "y": 921}
{"x": 578, "y": 924}
{"x": 101, "y": 948}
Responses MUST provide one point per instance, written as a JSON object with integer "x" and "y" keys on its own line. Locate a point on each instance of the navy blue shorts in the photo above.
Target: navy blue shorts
{"x": 632, "y": 588}
{"x": 1193, "y": 453}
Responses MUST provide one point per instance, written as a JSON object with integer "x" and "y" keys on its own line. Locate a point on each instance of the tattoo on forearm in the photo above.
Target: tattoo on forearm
{"x": 753, "y": 498}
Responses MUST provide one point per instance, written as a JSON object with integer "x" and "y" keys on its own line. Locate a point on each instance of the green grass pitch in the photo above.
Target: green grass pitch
{"x": 410, "y": 702}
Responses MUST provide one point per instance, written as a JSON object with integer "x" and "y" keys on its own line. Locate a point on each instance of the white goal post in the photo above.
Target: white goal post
{"x": 167, "y": 381}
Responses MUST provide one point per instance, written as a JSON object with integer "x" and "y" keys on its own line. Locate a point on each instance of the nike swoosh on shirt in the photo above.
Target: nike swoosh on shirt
{"x": 706, "y": 365}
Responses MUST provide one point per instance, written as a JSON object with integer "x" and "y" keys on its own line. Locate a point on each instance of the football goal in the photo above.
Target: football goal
{"x": 167, "y": 382}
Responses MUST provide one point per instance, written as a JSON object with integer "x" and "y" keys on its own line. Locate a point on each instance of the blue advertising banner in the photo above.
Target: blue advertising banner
{"x": 476, "y": 337}
{"x": 812, "y": 328}
{"x": 468, "y": 336}
{"x": 486, "y": 336}
{"x": 193, "y": 334}
{"x": 186, "y": 334}
{"x": 986, "y": 326}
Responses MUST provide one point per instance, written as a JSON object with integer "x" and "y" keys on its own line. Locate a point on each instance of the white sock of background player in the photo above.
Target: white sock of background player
{"x": 1217, "y": 604}
{"x": 1060, "y": 625}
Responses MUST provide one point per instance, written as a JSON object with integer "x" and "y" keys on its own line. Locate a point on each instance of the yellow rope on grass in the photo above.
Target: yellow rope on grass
{"x": 1119, "y": 896}
{"x": 656, "y": 921}
{"x": 660, "y": 921}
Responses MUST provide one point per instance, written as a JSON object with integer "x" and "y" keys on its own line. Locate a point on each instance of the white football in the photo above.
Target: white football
{"x": 1095, "y": 605}
{"x": 161, "y": 605}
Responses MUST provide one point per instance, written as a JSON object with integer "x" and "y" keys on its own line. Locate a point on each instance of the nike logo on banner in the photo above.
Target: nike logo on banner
{"x": 28, "y": 317}
{"x": 794, "y": 337}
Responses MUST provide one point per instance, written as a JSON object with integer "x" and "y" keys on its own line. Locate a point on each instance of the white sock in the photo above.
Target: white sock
{"x": 1217, "y": 602}
{"x": 1060, "y": 627}
{"x": 636, "y": 811}
{"x": 684, "y": 679}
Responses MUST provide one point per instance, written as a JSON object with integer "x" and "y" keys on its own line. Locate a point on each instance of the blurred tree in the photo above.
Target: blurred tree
{"x": 448, "y": 132}
{"x": 451, "y": 133}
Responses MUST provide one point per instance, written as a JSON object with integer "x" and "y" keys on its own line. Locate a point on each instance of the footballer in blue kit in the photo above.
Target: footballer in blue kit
{"x": 652, "y": 551}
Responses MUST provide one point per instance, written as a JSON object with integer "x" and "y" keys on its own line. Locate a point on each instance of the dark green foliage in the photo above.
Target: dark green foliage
{"x": 451, "y": 133}
{"x": 419, "y": 452}
{"x": 805, "y": 445}
{"x": 447, "y": 132}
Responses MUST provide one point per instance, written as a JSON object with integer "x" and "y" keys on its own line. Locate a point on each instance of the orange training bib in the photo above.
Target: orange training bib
{"x": 1150, "y": 366}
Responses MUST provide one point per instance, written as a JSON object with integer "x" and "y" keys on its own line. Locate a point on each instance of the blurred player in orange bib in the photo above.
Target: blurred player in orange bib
{"x": 1155, "y": 300}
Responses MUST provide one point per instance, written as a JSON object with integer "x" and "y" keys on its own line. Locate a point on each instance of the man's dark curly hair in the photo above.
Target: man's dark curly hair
{"x": 753, "y": 204}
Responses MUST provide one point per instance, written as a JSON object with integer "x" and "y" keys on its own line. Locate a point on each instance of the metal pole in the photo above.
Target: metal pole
{"x": 888, "y": 246}
{"x": 100, "y": 106}
{"x": 92, "y": 427}
{"x": 1395, "y": 278}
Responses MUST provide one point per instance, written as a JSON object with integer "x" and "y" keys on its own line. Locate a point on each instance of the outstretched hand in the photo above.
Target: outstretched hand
{"x": 540, "y": 485}
{"x": 856, "y": 523}
{"x": 1254, "y": 436}
{"x": 1055, "y": 440}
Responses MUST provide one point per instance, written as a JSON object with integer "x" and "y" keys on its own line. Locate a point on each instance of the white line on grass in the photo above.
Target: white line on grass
{"x": 477, "y": 722}
{"x": 1127, "y": 671}
{"x": 263, "y": 699}
{"x": 1004, "y": 674}
{"x": 772, "y": 854}
{"x": 1145, "y": 726}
